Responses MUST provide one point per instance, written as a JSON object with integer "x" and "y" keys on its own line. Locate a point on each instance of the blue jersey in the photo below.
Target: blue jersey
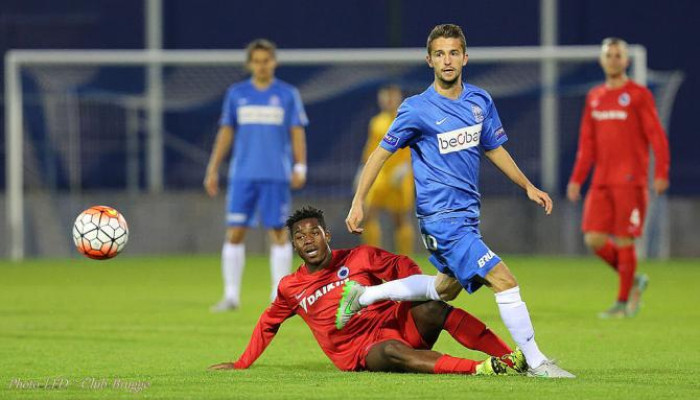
{"x": 445, "y": 137}
{"x": 261, "y": 120}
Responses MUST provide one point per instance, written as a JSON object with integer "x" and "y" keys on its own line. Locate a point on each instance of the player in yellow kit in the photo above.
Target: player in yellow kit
{"x": 393, "y": 192}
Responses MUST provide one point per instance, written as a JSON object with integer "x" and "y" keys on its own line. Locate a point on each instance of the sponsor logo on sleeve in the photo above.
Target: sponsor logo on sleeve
{"x": 459, "y": 139}
{"x": 500, "y": 132}
{"x": 391, "y": 140}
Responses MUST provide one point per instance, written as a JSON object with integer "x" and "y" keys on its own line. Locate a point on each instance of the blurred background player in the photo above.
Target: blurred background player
{"x": 393, "y": 192}
{"x": 266, "y": 118}
{"x": 447, "y": 127}
{"x": 387, "y": 336}
{"x": 619, "y": 123}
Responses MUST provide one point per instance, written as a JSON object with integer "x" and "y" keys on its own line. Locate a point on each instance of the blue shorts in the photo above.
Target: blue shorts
{"x": 457, "y": 249}
{"x": 271, "y": 200}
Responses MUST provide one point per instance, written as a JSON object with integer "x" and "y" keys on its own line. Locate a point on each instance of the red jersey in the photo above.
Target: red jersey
{"x": 616, "y": 129}
{"x": 315, "y": 298}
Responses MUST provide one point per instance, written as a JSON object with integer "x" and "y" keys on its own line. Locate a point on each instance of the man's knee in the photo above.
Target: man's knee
{"x": 595, "y": 241}
{"x": 624, "y": 241}
{"x": 235, "y": 234}
{"x": 396, "y": 353}
{"x": 278, "y": 236}
{"x": 447, "y": 288}
{"x": 500, "y": 278}
{"x": 431, "y": 313}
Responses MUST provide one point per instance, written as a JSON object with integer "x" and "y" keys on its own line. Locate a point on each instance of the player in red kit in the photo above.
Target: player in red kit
{"x": 386, "y": 336}
{"x": 619, "y": 123}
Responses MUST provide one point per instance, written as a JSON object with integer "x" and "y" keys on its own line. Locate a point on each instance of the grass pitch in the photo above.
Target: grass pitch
{"x": 140, "y": 328}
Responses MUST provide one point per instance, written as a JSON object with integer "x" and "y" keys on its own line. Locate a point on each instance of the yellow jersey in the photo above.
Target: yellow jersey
{"x": 378, "y": 126}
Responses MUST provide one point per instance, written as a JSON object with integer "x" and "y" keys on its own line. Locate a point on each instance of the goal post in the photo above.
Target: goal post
{"x": 17, "y": 60}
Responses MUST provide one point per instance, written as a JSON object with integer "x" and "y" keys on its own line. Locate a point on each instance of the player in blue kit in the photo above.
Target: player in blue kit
{"x": 446, "y": 128}
{"x": 268, "y": 159}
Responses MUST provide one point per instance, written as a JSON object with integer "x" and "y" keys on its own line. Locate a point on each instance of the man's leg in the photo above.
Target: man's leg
{"x": 630, "y": 206}
{"x": 412, "y": 288}
{"x": 631, "y": 286}
{"x": 241, "y": 198}
{"x": 280, "y": 258}
{"x": 395, "y": 356}
{"x": 274, "y": 205}
{"x": 516, "y": 318}
{"x": 601, "y": 244}
{"x": 232, "y": 264}
{"x": 514, "y": 312}
{"x": 432, "y": 317}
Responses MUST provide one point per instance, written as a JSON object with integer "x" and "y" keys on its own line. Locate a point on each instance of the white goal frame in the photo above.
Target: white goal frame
{"x": 15, "y": 60}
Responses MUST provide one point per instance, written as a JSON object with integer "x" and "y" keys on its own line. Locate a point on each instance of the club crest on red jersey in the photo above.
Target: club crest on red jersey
{"x": 343, "y": 272}
{"x": 624, "y": 99}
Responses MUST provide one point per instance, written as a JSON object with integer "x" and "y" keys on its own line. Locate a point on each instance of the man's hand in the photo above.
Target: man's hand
{"x": 541, "y": 198}
{"x": 660, "y": 186}
{"x": 355, "y": 219}
{"x": 224, "y": 366}
{"x": 298, "y": 180}
{"x": 211, "y": 183}
{"x": 573, "y": 192}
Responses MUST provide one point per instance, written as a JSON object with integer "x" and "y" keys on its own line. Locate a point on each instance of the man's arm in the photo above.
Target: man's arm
{"x": 585, "y": 156}
{"x": 299, "y": 151}
{"x": 265, "y": 330}
{"x": 503, "y": 161}
{"x": 222, "y": 145}
{"x": 369, "y": 174}
{"x": 659, "y": 143}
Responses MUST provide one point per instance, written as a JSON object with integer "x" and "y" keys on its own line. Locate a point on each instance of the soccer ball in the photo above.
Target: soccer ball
{"x": 100, "y": 232}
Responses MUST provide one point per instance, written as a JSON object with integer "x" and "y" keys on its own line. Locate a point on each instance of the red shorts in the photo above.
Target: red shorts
{"x": 618, "y": 211}
{"x": 398, "y": 326}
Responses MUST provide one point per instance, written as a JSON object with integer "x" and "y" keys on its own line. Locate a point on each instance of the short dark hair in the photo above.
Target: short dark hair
{"x": 261, "y": 44}
{"x": 447, "y": 31}
{"x": 389, "y": 87}
{"x": 304, "y": 213}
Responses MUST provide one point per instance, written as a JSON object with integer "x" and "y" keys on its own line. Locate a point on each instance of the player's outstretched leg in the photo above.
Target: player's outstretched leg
{"x": 349, "y": 303}
{"x": 395, "y": 356}
{"x": 516, "y": 318}
{"x": 640, "y": 284}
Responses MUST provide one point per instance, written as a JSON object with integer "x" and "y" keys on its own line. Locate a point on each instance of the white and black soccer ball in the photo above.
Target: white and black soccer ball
{"x": 100, "y": 232}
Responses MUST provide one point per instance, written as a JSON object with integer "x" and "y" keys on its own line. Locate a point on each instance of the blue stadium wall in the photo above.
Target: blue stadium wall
{"x": 669, "y": 33}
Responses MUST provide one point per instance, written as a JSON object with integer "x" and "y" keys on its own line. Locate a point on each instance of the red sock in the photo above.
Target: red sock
{"x": 471, "y": 333}
{"x": 453, "y": 365}
{"x": 609, "y": 254}
{"x": 626, "y": 266}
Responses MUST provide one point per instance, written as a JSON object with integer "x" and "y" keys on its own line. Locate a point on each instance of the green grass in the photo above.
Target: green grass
{"x": 147, "y": 320}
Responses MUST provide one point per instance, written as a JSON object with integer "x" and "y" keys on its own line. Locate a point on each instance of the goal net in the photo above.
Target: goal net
{"x": 88, "y": 126}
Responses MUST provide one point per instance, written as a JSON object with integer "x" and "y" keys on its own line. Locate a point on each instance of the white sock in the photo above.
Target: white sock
{"x": 280, "y": 264}
{"x": 232, "y": 263}
{"x": 412, "y": 288}
{"x": 517, "y": 319}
